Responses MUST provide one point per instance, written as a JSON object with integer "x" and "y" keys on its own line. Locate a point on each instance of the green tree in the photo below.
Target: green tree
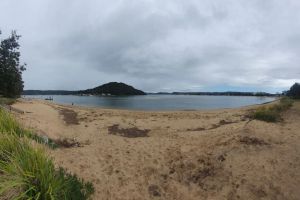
{"x": 11, "y": 83}
{"x": 294, "y": 91}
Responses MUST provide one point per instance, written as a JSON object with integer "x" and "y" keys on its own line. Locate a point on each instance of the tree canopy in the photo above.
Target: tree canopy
{"x": 294, "y": 91}
{"x": 113, "y": 88}
{"x": 11, "y": 83}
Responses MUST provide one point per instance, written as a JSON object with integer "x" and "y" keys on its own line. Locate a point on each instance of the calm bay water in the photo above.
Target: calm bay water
{"x": 158, "y": 102}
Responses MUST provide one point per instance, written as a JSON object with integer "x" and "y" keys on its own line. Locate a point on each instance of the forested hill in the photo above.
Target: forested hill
{"x": 112, "y": 88}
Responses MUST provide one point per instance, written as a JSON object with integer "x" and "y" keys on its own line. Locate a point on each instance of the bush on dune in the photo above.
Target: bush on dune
{"x": 273, "y": 113}
{"x": 266, "y": 114}
{"x": 26, "y": 172}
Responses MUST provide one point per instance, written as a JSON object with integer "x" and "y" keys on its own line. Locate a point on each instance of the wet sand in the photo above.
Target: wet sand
{"x": 218, "y": 154}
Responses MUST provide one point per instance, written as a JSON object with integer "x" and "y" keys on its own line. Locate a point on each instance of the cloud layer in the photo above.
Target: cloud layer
{"x": 195, "y": 45}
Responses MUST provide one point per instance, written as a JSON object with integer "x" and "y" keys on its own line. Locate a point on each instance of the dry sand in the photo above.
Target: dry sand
{"x": 180, "y": 155}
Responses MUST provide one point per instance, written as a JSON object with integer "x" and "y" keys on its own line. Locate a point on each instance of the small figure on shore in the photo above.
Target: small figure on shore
{"x": 72, "y": 104}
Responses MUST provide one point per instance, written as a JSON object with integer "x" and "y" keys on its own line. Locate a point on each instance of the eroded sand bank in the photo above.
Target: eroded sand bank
{"x": 217, "y": 154}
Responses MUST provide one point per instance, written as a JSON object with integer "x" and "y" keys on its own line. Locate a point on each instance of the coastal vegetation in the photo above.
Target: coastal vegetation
{"x": 26, "y": 172}
{"x": 7, "y": 101}
{"x": 9, "y": 124}
{"x": 272, "y": 113}
{"x": 11, "y": 83}
{"x": 294, "y": 91}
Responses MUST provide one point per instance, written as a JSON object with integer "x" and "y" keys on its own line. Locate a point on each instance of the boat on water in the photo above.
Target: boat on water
{"x": 49, "y": 98}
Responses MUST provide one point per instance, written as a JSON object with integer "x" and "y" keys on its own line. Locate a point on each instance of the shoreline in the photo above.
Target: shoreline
{"x": 216, "y": 154}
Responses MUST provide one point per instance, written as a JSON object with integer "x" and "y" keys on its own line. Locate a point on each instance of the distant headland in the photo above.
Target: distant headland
{"x": 112, "y": 88}
{"x": 229, "y": 93}
{"x": 122, "y": 89}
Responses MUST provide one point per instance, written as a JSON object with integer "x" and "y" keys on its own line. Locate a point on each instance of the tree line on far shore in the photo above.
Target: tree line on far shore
{"x": 11, "y": 83}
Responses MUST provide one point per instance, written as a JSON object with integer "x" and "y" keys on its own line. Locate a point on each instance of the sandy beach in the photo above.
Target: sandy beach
{"x": 218, "y": 154}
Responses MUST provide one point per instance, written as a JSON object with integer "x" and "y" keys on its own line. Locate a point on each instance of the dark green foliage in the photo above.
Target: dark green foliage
{"x": 273, "y": 113}
{"x": 11, "y": 84}
{"x": 265, "y": 114}
{"x": 76, "y": 188}
{"x": 33, "y": 175}
{"x": 294, "y": 91}
{"x": 113, "y": 88}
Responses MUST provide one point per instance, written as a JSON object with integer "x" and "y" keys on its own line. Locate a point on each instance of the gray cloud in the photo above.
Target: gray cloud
{"x": 157, "y": 45}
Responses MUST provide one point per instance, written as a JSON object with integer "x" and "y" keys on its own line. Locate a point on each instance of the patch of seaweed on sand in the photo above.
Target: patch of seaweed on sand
{"x": 214, "y": 126}
{"x": 69, "y": 116}
{"x": 201, "y": 169}
{"x": 67, "y": 143}
{"x": 128, "y": 132}
{"x": 253, "y": 141}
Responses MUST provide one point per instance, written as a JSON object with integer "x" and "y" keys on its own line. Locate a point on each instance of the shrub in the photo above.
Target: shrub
{"x": 272, "y": 113}
{"x": 286, "y": 103}
{"x": 29, "y": 171}
{"x": 76, "y": 189}
{"x": 265, "y": 114}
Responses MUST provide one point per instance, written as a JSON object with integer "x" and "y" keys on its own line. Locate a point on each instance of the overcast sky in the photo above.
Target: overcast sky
{"x": 157, "y": 45}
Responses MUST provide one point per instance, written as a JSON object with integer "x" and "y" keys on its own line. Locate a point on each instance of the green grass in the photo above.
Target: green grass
{"x": 272, "y": 113}
{"x": 10, "y": 126}
{"x": 26, "y": 172}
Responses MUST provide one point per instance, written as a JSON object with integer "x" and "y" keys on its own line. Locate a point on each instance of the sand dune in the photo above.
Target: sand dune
{"x": 217, "y": 154}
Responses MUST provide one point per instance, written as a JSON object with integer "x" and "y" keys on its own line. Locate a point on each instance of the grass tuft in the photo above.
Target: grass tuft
{"x": 265, "y": 114}
{"x": 272, "y": 113}
{"x": 26, "y": 172}
{"x": 9, "y": 125}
